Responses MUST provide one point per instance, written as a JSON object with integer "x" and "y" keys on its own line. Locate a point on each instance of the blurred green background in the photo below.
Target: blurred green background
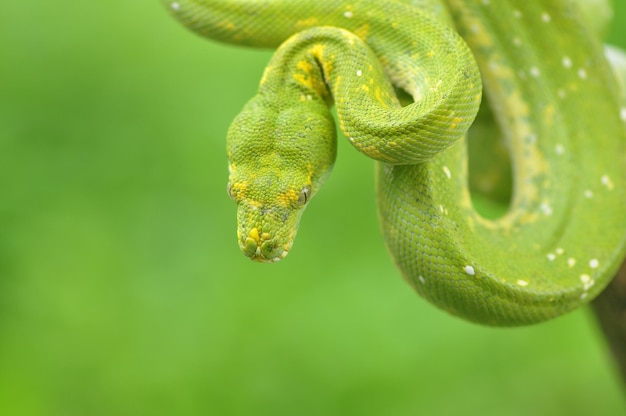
{"x": 122, "y": 289}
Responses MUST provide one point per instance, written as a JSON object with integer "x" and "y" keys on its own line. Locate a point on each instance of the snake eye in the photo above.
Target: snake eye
{"x": 305, "y": 195}
{"x": 229, "y": 190}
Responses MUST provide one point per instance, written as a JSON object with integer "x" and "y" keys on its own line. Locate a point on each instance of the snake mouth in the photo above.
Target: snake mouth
{"x": 259, "y": 257}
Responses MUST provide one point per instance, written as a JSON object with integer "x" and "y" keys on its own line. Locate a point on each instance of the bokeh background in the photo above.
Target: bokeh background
{"x": 122, "y": 289}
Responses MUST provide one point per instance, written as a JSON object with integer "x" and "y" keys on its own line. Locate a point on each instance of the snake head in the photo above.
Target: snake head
{"x": 279, "y": 158}
{"x": 266, "y": 232}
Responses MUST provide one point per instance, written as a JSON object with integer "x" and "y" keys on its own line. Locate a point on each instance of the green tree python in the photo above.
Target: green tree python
{"x": 407, "y": 78}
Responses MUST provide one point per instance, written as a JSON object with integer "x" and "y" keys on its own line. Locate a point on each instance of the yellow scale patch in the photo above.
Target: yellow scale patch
{"x": 287, "y": 198}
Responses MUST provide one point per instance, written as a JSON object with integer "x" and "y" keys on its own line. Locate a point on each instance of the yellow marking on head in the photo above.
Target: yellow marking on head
{"x": 240, "y": 186}
{"x": 266, "y": 236}
{"x": 365, "y": 88}
{"x": 430, "y": 54}
{"x": 287, "y": 198}
{"x": 254, "y": 234}
{"x": 394, "y": 25}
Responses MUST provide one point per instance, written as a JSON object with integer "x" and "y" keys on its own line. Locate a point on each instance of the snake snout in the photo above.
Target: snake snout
{"x": 262, "y": 247}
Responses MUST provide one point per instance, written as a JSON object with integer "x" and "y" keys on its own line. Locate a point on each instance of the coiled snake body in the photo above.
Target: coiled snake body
{"x": 553, "y": 97}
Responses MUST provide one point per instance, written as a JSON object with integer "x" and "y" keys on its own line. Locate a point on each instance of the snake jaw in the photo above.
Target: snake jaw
{"x": 266, "y": 235}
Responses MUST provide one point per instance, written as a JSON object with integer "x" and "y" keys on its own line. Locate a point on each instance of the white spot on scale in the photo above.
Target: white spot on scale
{"x": 308, "y": 97}
{"x": 560, "y": 251}
{"x": 546, "y": 208}
{"x": 559, "y": 149}
{"x": 534, "y": 71}
{"x": 551, "y": 256}
{"x": 622, "y": 113}
{"x": 517, "y": 41}
{"x": 486, "y": 2}
{"x": 522, "y": 282}
{"x": 517, "y": 14}
{"x": 447, "y": 172}
{"x": 582, "y": 74}
{"x": 348, "y": 14}
{"x": 359, "y": 73}
{"x": 606, "y": 181}
{"x": 422, "y": 280}
{"x": 588, "y": 194}
{"x": 567, "y": 62}
{"x": 545, "y": 17}
{"x": 583, "y": 295}
{"x": 470, "y": 270}
{"x": 587, "y": 281}
{"x": 175, "y": 6}
{"x": 571, "y": 262}
{"x": 561, "y": 93}
{"x": 594, "y": 263}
